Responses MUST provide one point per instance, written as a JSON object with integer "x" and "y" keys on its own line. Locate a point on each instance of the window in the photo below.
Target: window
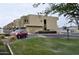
{"x": 26, "y": 21}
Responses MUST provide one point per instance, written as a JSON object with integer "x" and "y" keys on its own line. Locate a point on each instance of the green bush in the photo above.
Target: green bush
{"x": 51, "y": 32}
{"x": 2, "y": 36}
{"x": 12, "y": 38}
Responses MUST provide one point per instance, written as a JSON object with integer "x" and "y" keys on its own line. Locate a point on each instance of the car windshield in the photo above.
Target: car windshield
{"x": 20, "y": 30}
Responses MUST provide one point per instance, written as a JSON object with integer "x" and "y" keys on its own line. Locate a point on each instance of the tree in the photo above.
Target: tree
{"x": 69, "y": 10}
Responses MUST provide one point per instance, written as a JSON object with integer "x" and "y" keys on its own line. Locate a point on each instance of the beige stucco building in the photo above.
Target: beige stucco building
{"x": 35, "y": 23}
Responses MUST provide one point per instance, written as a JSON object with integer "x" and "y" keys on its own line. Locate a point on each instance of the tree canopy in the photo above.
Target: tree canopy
{"x": 69, "y": 10}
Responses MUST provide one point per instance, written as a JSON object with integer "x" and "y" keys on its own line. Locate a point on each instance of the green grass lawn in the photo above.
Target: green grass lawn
{"x": 43, "y": 46}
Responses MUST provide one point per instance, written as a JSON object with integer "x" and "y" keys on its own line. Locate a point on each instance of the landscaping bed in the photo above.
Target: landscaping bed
{"x": 47, "y": 32}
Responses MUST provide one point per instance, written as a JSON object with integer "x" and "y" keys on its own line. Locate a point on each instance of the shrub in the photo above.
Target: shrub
{"x": 43, "y": 32}
{"x": 2, "y": 36}
{"x": 12, "y": 38}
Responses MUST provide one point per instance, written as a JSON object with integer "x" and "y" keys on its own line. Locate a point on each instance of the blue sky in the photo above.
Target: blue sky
{"x": 12, "y": 11}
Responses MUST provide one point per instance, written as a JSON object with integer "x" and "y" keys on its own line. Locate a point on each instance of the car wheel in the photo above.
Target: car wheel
{"x": 18, "y": 36}
{"x": 25, "y": 36}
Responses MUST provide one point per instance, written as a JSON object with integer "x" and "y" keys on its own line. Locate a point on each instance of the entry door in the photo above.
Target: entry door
{"x": 45, "y": 27}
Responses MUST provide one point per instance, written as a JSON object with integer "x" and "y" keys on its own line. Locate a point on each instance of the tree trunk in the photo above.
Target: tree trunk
{"x": 77, "y": 24}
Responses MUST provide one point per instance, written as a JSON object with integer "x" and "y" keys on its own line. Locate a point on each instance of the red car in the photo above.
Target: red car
{"x": 20, "y": 33}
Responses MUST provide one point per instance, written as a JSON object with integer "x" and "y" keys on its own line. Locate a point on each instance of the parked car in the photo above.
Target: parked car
{"x": 19, "y": 33}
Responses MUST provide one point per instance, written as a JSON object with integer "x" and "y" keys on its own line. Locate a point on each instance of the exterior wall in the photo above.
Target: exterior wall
{"x": 52, "y": 24}
{"x": 33, "y": 29}
{"x": 72, "y": 30}
{"x": 17, "y": 23}
{"x": 76, "y": 30}
{"x": 35, "y": 20}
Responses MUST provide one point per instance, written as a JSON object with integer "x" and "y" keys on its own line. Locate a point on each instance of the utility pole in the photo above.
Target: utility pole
{"x": 67, "y": 29}
{"x": 67, "y": 33}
